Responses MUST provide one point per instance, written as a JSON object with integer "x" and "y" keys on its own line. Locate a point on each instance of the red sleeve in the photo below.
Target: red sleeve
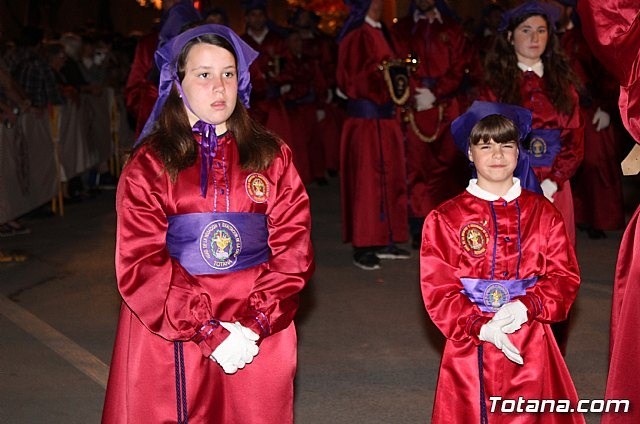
{"x": 451, "y": 311}
{"x": 273, "y": 301}
{"x": 550, "y": 299}
{"x": 156, "y": 288}
{"x": 570, "y": 157}
{"x": 449, "y": 83}
{"x": 358, "y": 73}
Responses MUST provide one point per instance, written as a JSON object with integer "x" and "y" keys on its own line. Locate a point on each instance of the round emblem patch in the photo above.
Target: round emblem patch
{"x": 220, "y": 244}
{"x": 495, "y": 295}
{"x": 538, "y": 147}
{"x": 474, "y": 238}
{"x": 257, "y": 187}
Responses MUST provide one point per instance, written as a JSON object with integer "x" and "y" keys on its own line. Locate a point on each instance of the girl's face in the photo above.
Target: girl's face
{"x": 529, "y": 39}
{"x": 495, "y": 163}
{"x": 210, "y": 85}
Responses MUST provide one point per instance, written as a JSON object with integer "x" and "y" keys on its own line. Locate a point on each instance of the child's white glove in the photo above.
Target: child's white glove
{"x": 237, "y": 350}
{"x": 515, "y": 310}
{"x": 492, "y": 332}
{"x": 549, "y": 188}
{"x": 424, "y": 99}
{"x": 601, "y": 119}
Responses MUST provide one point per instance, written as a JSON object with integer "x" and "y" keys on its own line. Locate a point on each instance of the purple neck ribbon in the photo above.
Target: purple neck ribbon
{"x": 208, "y": 147}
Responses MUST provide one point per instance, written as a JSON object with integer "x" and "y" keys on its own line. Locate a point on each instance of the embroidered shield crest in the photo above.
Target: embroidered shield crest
{"x": 220, "y": 244}
{"x": 474, "y": 238}
{"x": 257, "y": 187}
{"x": 538, "y": 147}
{"x": 495, "y": 295}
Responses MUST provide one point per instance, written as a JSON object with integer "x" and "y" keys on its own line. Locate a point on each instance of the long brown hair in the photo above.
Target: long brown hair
{"x": 504, "y": 77}
{"x": 172, "y": 138}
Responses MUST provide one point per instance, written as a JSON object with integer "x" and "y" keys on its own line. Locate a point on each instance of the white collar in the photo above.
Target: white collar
{"x": 373, "y": 23}
{"x": 431, "y": 17}
{"x": 512, "y": 194}
{"x": 537, "y": 68}
{"x": 258, "y": 37}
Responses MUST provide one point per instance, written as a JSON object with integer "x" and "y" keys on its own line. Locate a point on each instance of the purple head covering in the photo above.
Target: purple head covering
{"x": 249, "y": 5}
{"x": 532, "y": 7}
{"x": 167, "y": 61}
{"x": 177, "y": 17}
{"x": 461, "y": 129}
{"x": 357, "y": 13}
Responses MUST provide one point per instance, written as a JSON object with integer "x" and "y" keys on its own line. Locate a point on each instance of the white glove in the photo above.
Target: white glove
{"x": 424, "y": 99}
{"x": 515, "y": 310}
{"x": 601, "y": 119}
{"x": 237, "y": 350}
{"x": 549, "y": 188}
{"x": 320, "y": 115}
{"x": 492, "y": 332}
{"x": 285, "y": 89}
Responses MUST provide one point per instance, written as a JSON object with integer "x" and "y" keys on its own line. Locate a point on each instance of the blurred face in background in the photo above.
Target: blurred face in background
{"x": 256, "y": 20}
{"x": 375, "y": 10}
{"x": 529, "y": 39}
{"x": 425, "y": 5}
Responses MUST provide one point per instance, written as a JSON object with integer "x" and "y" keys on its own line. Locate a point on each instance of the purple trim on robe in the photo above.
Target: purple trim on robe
{"x": 362, "y": 108}
{"x": 490, "y": 295}
{"x": 544, "y": 145}
{"x": 218, "y": 242}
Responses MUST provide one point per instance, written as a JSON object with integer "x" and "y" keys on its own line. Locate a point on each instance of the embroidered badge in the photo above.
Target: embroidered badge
{"x": 495, "y": 295}
{"x": 220, "y": 244}
{"x": 257, "y": 187}
{"x": 538, "y": 147}
{"x": 474, "y": 238}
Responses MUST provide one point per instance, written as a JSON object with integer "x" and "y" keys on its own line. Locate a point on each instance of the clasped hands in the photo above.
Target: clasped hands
{"x": 238, "y": 349}
{"x": 507, "y": 320}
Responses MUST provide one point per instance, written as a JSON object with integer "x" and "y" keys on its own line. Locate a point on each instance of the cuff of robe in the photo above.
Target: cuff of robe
{"x": 209, "y": 336}
{"x": 533, "y": 304}
{"x": 474, "y": 324}
{"x": 257, "y": 322}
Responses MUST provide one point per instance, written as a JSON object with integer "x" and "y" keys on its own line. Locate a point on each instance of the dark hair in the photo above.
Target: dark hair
{"x": 504, "y": 77}
{"x": 494, "y": 127}
{"x": 172, "y": 138}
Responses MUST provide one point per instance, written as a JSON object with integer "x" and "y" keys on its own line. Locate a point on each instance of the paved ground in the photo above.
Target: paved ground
{"x": 367, "y": 351}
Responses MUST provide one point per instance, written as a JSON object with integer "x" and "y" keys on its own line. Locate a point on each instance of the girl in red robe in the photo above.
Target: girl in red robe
{"x": 496, "y": 268}
{"x": 213, "y": 246}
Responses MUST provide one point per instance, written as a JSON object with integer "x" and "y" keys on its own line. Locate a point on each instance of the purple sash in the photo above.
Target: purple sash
{"x": 217, "y": 242}
{"x": 544, "y": 145}
{"x": 362, "y": 108}
{"x": 490, "y": 295}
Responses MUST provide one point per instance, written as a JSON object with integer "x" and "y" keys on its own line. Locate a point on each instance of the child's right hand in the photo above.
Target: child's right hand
{"x": 492, "y": 332}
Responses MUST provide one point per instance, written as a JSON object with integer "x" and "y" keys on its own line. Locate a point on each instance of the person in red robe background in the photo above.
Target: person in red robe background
{"x": 372, "y": 159}
{"x": 599, "y": 171}
{"x": 436, "y": 170}
{"x": 526, "y": 67}
{"x": 213, "y": 245}
{"x": 496, "y": 267}
{"x": 612, "y": 30}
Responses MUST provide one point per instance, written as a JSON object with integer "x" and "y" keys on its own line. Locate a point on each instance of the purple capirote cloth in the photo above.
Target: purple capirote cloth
{"x": 166, "y": 58}
{"x": 461, "y": 129}
{"x": 531, "y": 7}
{"x": 476, "y": 290}
{"x": 218, "y": 242}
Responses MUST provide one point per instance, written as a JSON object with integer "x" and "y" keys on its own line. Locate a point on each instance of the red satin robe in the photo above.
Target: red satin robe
{"x": 446, "y": 256}
{"x": 162, "y": 303}
{"x": 600, "y": 171}
{"x": 545, "y": 116}
{"x": 372, "y": 167}
{"x": 436, "y": 170}
{"x": 140, "y": 91}
{"x": 612, "y": 29}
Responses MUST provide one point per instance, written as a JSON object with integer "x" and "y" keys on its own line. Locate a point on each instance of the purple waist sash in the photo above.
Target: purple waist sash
{"x": 490, "y": 295}
{"x": 217, "y": 242}
{"x": 544, "y": 145}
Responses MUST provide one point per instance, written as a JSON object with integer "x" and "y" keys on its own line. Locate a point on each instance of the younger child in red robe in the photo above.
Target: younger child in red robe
{"x": 497, "y": 267}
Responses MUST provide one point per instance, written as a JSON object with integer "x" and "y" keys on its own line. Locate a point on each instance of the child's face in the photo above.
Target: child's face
{"x": 494, "y": 162}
